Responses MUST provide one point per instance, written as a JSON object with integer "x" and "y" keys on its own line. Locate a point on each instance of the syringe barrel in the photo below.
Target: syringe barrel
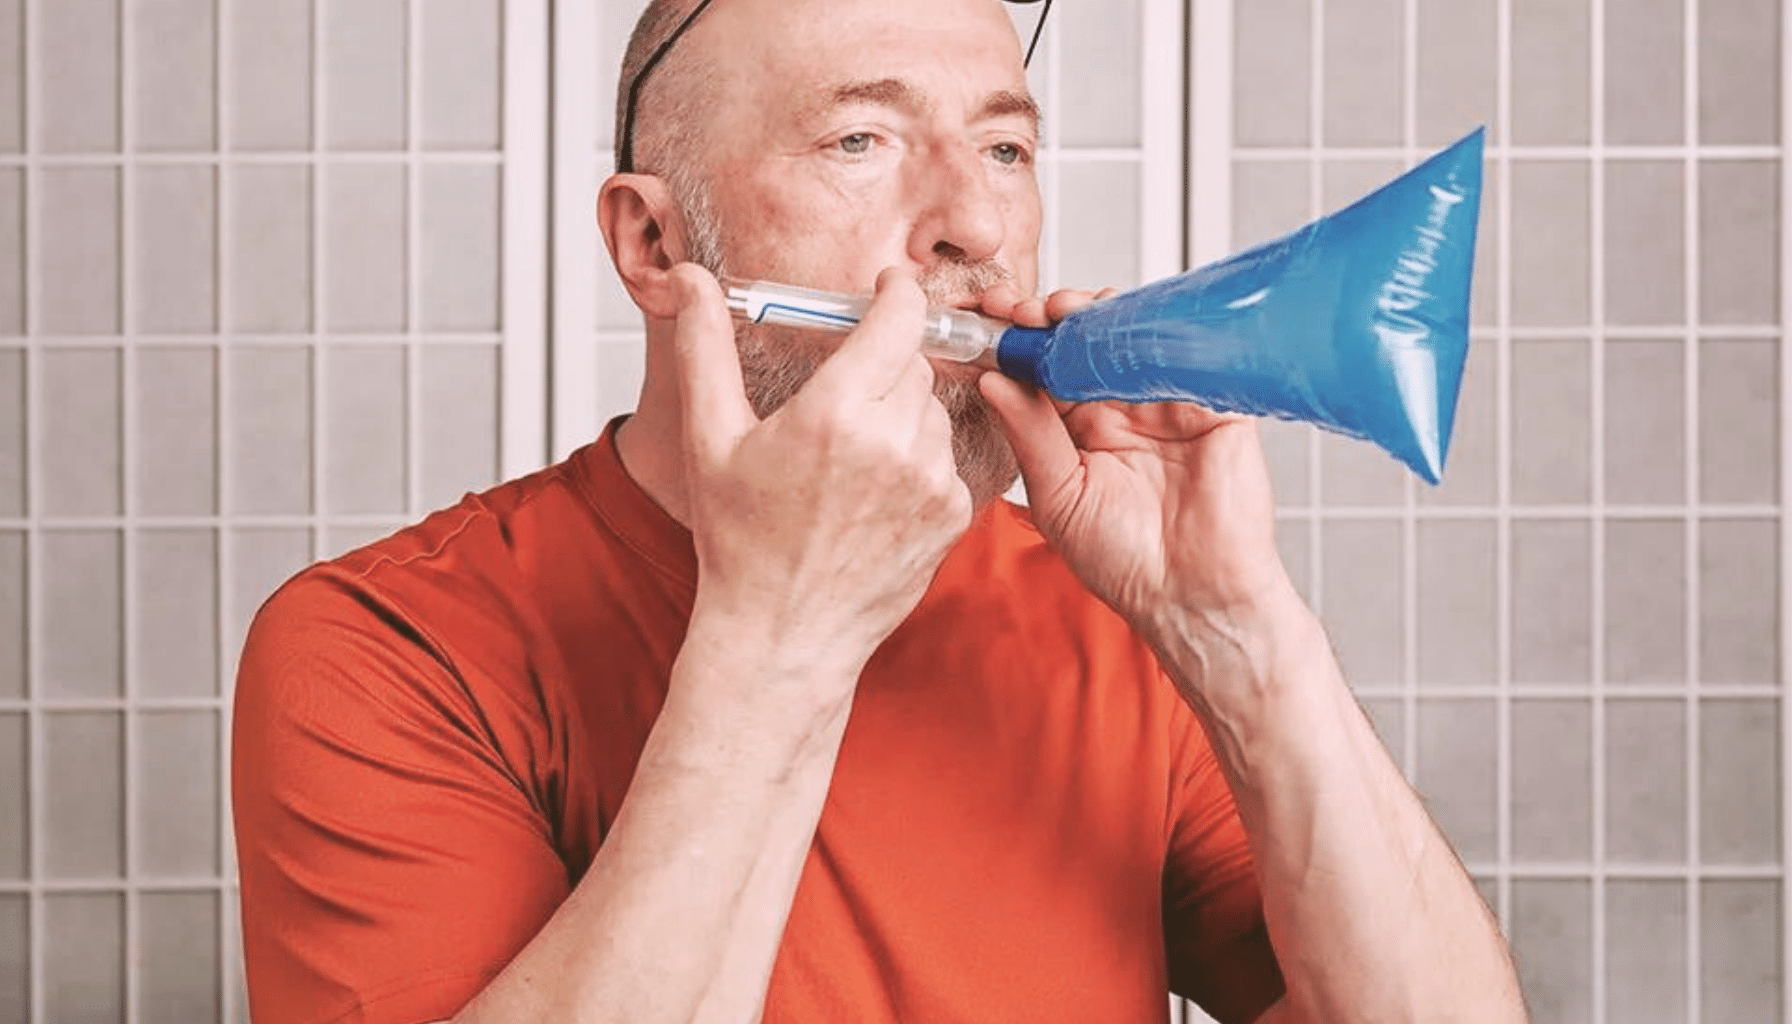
{"x": 955, "y": 334}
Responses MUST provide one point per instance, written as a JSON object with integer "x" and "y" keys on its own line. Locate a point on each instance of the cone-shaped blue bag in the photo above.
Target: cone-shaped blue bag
{"x": 1357, "y": 322}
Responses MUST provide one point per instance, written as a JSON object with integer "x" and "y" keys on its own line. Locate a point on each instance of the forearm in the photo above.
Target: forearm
{"x": 680, "y": 915}
{"x": 1371, "y": 915}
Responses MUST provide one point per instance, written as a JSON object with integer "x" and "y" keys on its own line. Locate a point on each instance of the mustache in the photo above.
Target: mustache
{"x": 957, "y": 279}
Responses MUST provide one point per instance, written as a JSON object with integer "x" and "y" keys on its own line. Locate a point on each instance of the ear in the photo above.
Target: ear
{"x": 645, "y": 233}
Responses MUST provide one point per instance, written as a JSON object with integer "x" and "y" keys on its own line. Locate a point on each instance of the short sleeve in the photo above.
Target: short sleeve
{"x": 393, "y": 862}
{"x": 1214, "y": 933}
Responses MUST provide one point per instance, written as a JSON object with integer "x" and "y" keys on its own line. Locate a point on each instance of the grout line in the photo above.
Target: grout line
{"x": 1664, "y": 871}
{"x": 1536, "y": 691}
{"x": 1292, "y": 513}
{"x": 198, "y": 884}
{"x": 35, "y": 725}
{"x": 1409, "y": 529}
{"x": 1503, "y": 546}
{"x": 1574, "y": 691}
{"x": 1497, "y": 150}
{"x": 1409, "y": 539}
{"x": 1067, "y": 154}
{"x": 127, "y": 538}
{"x": 1528, "y": 512}
{"x": 478, "y": 339}
{"x": 223, "y": 84}
{"x": 1630, "y": 871}
{"x": 632, "y": 336}
{"x": 1785, "y": 521}
{"x": 113, "y": 704}
{"x": 1690, "y": 211}
{"x": 290, "y": 521}
{"x": 413, "y": 414}
{"x": 287, "y": 158}
{"x": 318, "y": 182}
{"x": 1315, "y": 202}
{"x": 1597, "y": 280}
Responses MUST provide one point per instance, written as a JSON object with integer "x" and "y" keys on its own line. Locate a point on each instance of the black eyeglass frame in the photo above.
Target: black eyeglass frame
{"x": 625, "y": 158}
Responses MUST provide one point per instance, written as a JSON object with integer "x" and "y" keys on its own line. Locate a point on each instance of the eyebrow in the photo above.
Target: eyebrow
{"x": 1009, "y": 103}
{"x": 902, "y": 94}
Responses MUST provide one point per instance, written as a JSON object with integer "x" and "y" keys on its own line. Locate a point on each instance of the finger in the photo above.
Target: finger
{"x": 1029, "y": 312}
{"x": 999, "y": 300}
{"x": 912, "y": 390}
{"x": 1066, "y": 301}
{"x": 881, "y": 348}
{"x": 934, "y": 431}
{"x": 716, "y": 410}
{"x": 1048, "y": 457}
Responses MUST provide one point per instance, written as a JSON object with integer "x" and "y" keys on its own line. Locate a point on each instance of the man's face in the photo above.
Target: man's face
{"x": 846, "y": 136}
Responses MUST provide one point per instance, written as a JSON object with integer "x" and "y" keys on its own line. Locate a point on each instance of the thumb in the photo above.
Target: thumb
{"x": 1048, "y": 458}
{"x": 716, "y": 411}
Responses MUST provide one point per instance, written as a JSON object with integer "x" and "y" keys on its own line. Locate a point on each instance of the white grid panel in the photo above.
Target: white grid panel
{"x": 1582, "y": 976}
{"x": 111, "y": 843}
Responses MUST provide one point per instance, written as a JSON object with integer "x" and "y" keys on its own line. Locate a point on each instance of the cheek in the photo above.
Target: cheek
{"x": 1021, "y": 247}
{"x": 803, "y": 231}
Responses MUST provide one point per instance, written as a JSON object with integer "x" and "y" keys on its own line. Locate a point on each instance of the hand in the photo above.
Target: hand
{"x": 1163, "y": 510}
{"x": 820, "y": 527}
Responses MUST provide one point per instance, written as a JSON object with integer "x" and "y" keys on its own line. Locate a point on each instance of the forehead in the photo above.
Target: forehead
{"x": 791, "y": 54}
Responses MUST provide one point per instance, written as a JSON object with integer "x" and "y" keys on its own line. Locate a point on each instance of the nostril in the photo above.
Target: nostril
{"x": 949, "y": 251}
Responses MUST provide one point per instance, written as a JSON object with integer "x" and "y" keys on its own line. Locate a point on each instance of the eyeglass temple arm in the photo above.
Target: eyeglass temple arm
{"x": 1038, "y": 30}
{"x": 625, "y": 160}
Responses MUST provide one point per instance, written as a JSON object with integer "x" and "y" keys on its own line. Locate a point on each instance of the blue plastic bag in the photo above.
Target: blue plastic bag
{"x": 1357, "y": 322}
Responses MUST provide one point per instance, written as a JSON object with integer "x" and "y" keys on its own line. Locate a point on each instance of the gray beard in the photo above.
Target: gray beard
{"x": 776, "y": 362}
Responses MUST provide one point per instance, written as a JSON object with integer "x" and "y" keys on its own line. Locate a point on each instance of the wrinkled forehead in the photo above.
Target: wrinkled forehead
{"x": 791, "y": 54}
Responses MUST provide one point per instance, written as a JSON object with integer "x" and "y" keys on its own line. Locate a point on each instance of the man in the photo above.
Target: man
{"x": 764, "y": 705}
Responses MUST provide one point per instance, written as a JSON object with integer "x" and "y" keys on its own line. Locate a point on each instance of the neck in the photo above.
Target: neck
{"x": 650, "y": 443}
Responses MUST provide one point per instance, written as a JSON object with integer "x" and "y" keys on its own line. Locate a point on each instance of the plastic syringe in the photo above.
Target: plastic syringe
{"x": 956, "y": 334}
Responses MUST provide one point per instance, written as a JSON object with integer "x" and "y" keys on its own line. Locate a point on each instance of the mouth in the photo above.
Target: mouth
{"x": 964, "y": 285}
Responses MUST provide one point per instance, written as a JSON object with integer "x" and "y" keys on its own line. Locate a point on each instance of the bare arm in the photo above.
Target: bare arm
{"x": 700, "y": 869}
{"x": 1165, "y": 512}
{"x": 1371, "y": 915}
{"x": 816, "y": 531}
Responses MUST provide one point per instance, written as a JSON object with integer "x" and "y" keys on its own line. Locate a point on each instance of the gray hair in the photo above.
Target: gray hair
{"x": 667, "y": 125}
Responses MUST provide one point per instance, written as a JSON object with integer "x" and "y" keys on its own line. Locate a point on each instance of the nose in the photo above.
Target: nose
{"x": 961, "y": 217}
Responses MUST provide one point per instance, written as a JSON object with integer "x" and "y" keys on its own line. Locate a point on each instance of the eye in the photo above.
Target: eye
{"x": 1008, "y": 153}
{"x": 856, "y": 143}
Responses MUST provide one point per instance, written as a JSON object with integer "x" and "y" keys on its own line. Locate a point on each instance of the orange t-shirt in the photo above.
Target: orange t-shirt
{"x": 434, "y": 733}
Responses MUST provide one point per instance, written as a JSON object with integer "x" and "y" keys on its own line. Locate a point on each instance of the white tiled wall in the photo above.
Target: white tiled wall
{"x": 1573, "y": 645}
{"x": 251, "y": 313}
